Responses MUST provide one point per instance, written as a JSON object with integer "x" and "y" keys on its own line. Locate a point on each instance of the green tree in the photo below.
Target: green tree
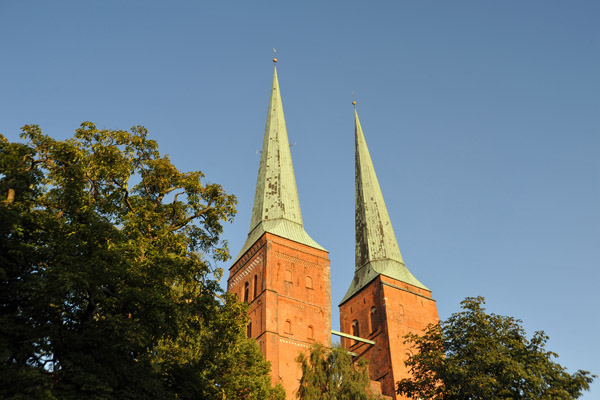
{"x": 475, "y": 355}
{"x": 108, "y": 288}
{"x": 330, "y": 374}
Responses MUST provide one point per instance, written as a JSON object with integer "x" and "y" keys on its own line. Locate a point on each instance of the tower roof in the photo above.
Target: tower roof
{"x": 276, "y": 206}
{"x": 377, "y": 251}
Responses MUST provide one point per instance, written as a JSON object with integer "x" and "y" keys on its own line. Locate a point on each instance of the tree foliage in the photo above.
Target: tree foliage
{"x": 330, "y": 374}
{"x": 475, "y": 355}
{"x": 108, "y": 288}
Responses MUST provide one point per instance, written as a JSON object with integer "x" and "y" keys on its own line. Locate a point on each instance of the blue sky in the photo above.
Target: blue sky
{"x": 482, "y": 118}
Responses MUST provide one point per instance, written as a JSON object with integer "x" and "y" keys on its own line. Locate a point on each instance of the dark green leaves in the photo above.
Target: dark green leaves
{"x": 107, "y": 287}
{"x": 330, "y": 374}
{"x": 475, "y": 355}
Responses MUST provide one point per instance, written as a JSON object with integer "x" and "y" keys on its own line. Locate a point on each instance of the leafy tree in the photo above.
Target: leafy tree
{"x": 108, "y": 288}
{"x": 330, "y": 374}
{"x": 475, "y": 355}
{"x": 209, "y": 365}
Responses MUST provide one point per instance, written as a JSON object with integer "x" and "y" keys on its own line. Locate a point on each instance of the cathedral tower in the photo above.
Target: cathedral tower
{"x": 384, "y": 301}
{"x": 281, "y": 271}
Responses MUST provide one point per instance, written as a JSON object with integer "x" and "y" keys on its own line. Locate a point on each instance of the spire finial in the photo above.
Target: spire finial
{"x": 354, "y": 100}
{"x": 274, "y": 55}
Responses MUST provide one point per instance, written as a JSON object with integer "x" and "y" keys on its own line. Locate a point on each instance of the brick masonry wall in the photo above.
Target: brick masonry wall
{"x": 386, "y": 310}
{"x": 292, "y": 306}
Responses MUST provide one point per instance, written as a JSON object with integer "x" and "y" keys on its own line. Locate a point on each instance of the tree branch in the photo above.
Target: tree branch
{"x": 163, "y": 193}
{"x": 177, "y": 195}
{"x": 126, "y": 195}
{"x": 190, "y": 218}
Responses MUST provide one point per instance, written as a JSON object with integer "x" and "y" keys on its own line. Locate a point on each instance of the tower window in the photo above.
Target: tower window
{"x": 309, "y": 282}
{"x": 355, "y": 330}
{"x": 255, "y": 286}
{"x": 374, "y": 324}
{"x": 287, "y": 327}
{"x": 246, "y": 291}
{"x": 249, "y": 329}
{"x": 311, "y": 333}
{"x": 288, "y": 275}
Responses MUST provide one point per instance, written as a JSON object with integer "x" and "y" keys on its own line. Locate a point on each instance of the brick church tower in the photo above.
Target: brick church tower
{"x": 384, "y": 301}
{"x": 281, "y": 271}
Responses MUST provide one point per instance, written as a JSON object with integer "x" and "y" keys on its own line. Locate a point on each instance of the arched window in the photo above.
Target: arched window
{"x": 355, "y": 330}
{"x": 309, "y": 282}
{"x": 246, "y": 291}
{"x": 310, "y": 333}
{"x": 374, "y": 324}
{"x": 287, "y": 328}
{"x": 255, "y": 286}
{"x": 249, "y": 329}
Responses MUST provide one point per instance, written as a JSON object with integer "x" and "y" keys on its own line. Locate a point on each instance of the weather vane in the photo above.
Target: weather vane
{"x": 354, "y": 100}
{"x": 274, "y": 55}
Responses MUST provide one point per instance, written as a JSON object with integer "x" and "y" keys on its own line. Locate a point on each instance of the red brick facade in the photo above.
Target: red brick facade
{"x": 287, "y": 283}
{"x": 384, "y": 311}
{"x": 288, "y": 287}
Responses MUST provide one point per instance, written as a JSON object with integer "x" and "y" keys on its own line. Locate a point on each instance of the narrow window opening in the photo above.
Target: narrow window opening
{"x": 355, "y": 330}
{"x": 255, "y": 286}
{"x": 374, "y": 324}
{"x": 246, "y": 291}
{"x": 309, "y": 282}
{"x": 287, "y": 328}
{"x": 249, "y": 329}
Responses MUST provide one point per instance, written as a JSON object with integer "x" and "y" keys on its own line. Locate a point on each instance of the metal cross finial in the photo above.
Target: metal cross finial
{"x": 354, "y": 100}
{"x": 274, "y": 55}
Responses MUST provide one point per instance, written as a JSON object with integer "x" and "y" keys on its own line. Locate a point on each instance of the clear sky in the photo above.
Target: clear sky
{"x": 482, "y": 119}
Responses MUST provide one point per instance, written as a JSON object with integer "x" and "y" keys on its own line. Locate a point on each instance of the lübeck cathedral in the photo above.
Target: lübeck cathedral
{"x": 284, "y": 274}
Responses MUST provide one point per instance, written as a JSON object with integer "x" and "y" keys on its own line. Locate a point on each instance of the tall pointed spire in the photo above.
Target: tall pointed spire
{"x": 276, "y": 195}
{"x": 377, "y": 250}
{"x": 276, "y": 205}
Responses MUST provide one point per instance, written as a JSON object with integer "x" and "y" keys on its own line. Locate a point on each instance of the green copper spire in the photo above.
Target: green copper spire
{"x": 276, "y": 206}
{"x": 377, "y": 250}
